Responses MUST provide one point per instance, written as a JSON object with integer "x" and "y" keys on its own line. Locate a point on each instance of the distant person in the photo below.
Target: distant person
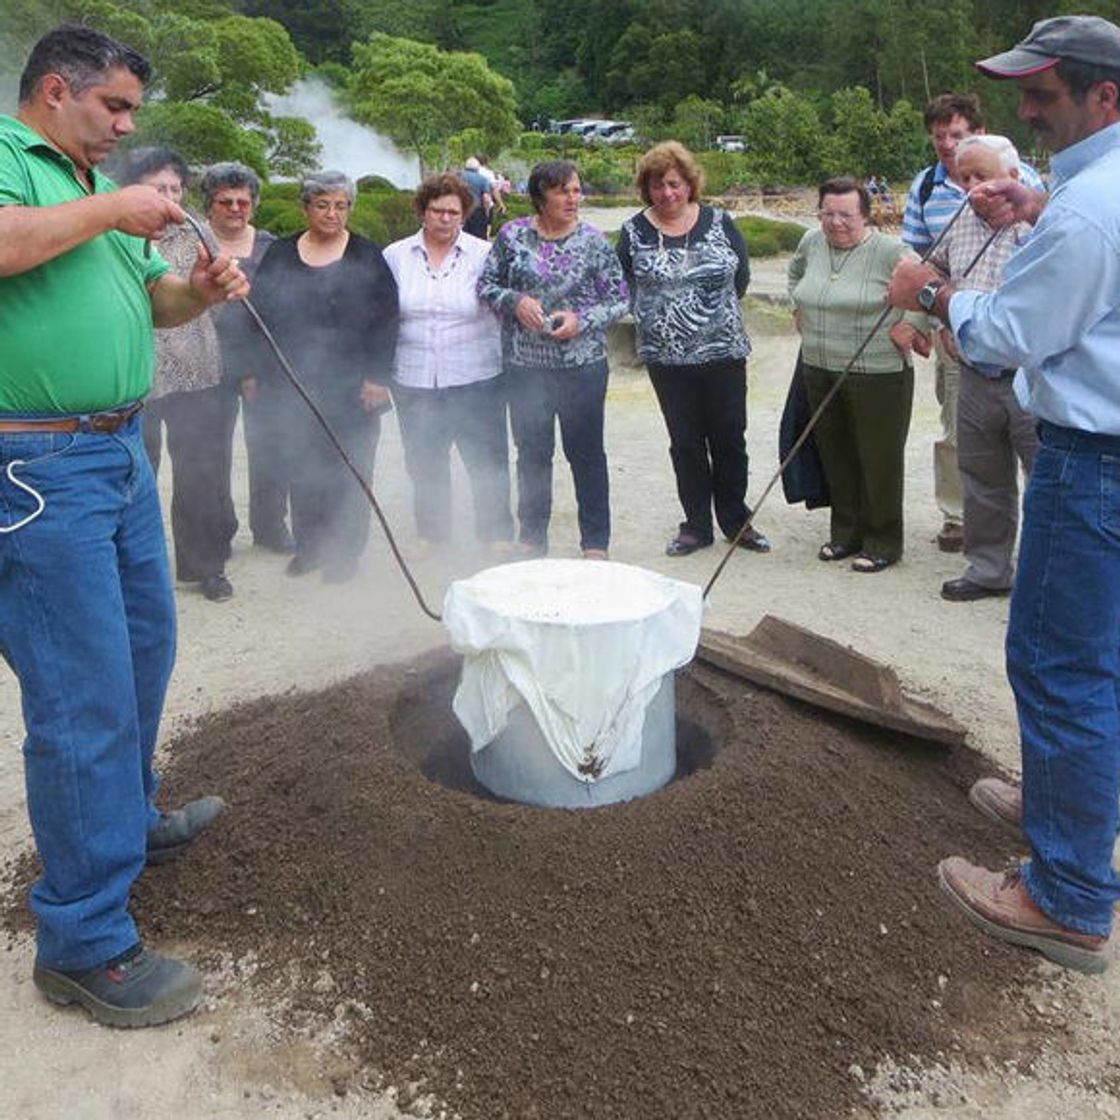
{"x": 189, "y": 400}
{"x": 838, "y": 280}
{"x": 498, "y": 187}
{"x": 230, "y": 192}
{"x": 87, "y": 611}
{"x": 995, "y": 435}
{"x": 478, "y": 221}
{"x": 330, "y": 300}
{"x": 448, "y": 386}
{"x": 687, "y": 268}
{"x": 935, "y": 196}
{"x": 558, "y": 286}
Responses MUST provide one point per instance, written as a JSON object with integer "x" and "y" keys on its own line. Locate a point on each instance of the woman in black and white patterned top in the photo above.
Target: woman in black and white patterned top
{"x": 687, "y": 267}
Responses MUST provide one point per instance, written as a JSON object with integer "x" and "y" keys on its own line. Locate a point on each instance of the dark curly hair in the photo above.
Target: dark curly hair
{"x": 437, "y": 186}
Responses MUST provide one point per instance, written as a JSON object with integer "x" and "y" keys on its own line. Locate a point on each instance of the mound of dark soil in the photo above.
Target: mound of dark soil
{"x": 728, "y": 947}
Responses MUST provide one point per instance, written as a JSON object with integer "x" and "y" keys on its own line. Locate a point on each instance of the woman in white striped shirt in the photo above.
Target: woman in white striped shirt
{"x": 447, "y": 386}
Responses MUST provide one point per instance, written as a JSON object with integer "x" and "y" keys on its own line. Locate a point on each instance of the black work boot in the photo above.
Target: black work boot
{"x": 179, "y": 827}
{"x": 137, "y": 989}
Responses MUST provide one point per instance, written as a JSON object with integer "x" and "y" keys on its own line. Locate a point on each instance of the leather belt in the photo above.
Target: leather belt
{"x": 103, "y": 422}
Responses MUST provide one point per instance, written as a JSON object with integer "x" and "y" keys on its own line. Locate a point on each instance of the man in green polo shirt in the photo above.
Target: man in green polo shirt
{"x": 87, "y": 615}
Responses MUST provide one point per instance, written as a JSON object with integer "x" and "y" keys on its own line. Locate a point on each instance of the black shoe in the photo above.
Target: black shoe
{"x": 965, "y": 591}
{"x": 137, "y": 989}
{"x": 179, "y": 827}
{"x": 301, "y": 563}
{"x": 217, "y": 589}
{"x": 281, "y": 543}
{"x": 684, "y": 544}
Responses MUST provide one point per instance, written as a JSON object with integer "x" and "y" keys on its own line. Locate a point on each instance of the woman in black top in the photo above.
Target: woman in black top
{"x": 687, "y": 267}
{"x": 330, "y": 300}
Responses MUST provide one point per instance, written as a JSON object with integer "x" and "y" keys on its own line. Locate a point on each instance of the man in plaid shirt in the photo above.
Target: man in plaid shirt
{"x": 995, "y": 436}
{"x": 935, "y": 196}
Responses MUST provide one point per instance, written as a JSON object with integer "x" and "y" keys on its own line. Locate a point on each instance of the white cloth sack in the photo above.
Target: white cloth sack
{"x": 583, "y": 643}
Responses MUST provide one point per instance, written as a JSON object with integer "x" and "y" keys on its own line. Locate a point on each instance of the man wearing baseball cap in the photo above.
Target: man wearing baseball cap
{"x": 1056, "y": 316}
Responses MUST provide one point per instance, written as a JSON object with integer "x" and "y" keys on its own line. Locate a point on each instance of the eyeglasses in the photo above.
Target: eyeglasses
{"x": 838, "y": 216}
{"x": 445, "y": 212}
{"x": 324, "y": 207}
{"x": 234, "y": 203}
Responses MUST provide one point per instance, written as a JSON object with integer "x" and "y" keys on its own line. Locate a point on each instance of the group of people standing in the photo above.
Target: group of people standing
{"x": 87, "y": 615}
{"x": 453, "y": 331}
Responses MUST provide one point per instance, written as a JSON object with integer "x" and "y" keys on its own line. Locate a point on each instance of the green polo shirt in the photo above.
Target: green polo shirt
{"x": 76, "y": 332}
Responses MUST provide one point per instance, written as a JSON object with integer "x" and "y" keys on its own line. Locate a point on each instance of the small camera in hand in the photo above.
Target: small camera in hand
{"x": 555, "y": 322}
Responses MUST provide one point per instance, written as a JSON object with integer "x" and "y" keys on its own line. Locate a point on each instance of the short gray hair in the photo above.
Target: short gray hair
{"x": 222, "y": 176}
{"x": 1007, "y": 152}
{"x": 324, "y": 182}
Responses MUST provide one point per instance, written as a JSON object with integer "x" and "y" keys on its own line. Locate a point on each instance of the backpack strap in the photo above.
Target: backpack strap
{"x": 925, "y": 187}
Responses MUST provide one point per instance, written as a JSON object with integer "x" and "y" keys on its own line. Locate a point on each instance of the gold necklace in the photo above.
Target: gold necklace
{"x": 834, "y": 268}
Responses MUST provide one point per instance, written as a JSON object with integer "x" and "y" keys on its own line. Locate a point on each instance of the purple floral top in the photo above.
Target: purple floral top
{"x": 579, "y": 273}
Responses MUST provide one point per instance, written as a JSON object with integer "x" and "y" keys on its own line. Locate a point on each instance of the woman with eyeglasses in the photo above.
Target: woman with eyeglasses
{"x": 230, "y": 192}
{"x": 447, "y": 386}
{"x": 329, "y": 299}
{"x": 838, "y": 280}
{"x": 189, "y": 403}
{"x": 688, "y": 268}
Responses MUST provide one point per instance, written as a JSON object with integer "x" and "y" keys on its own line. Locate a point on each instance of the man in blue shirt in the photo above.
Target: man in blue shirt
{"x": 935, "y": 196}
{"x": 1057, "y": 317}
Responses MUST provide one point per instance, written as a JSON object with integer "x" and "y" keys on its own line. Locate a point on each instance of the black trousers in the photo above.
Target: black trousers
{"x": 330, "y": 513}
{"x": 705, "y": 410}
{"x": 200, "y": 445}
{"x": 575, "y": 396}
{"x": 269, "y": 451}
{"x": 472, "y": 418}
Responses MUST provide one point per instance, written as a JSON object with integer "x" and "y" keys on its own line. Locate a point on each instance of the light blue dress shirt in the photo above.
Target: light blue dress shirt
{"x": 1057, "y": 313}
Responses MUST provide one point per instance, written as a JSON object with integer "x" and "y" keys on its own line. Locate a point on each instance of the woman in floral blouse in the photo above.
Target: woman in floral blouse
{"x": 687, "y": 265}
{"x": 558, "y": 285}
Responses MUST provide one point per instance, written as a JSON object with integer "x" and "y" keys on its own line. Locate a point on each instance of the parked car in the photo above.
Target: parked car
{"x": 731, "y": 142}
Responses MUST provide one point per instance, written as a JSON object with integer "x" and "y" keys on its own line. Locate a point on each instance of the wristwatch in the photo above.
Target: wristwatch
{"x": 928, "y": 294}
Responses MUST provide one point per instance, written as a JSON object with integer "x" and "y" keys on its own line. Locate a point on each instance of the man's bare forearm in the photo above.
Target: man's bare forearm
{"x": 32, "y": 235}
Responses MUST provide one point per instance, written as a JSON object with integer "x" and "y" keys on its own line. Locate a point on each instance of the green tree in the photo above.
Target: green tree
{"x": 696, "y": 122}
{"x": 786, "y": 141}
{"x": 200, "y": 134}
{"x": 421, "y": 97}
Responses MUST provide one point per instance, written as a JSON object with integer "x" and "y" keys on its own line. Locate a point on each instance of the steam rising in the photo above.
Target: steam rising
{"x": 347, "y": 145}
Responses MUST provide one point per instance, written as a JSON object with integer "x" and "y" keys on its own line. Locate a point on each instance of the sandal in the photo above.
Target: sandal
{"x": 684, "y": 544}
{"x": 754, "y": 541}
{"x": 867, "y": 564}
{"x": 830, "y": 551}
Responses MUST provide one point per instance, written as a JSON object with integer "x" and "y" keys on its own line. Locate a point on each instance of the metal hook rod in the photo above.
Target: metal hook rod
{"x": 214, "y": 250}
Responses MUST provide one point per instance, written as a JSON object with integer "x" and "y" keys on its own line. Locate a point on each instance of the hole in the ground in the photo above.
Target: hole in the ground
{"x": 429, "y": 738}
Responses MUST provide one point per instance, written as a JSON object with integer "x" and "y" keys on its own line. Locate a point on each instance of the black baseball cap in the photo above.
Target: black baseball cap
{"x": 1088, "y": 39}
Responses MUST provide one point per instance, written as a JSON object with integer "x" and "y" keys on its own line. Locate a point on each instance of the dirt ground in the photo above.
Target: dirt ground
{"x": 243, "y": 1056}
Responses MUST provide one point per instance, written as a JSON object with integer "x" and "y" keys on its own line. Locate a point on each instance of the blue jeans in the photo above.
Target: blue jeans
{"x": 1063, "y": 661}
{"x": 576, "y": 396}
{"x": 87, "y": 622}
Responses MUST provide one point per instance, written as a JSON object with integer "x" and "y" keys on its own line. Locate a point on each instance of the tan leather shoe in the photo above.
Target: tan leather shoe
{"x": 999, "y": 801}
{"x": 999, "y": 903}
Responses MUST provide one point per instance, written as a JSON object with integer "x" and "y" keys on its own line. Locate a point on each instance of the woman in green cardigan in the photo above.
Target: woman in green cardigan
{"x": 838, "y": 283}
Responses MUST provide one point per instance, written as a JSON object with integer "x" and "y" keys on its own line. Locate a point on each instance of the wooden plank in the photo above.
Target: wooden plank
{"x": 787, "y": 658}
